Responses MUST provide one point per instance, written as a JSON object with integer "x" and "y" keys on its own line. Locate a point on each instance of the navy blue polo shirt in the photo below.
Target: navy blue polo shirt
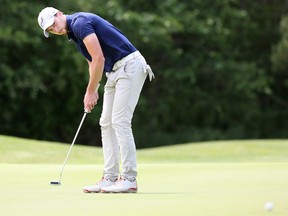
{"x": 115, "y": 45}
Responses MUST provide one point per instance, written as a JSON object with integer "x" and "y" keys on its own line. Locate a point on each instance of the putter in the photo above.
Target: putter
{"x": 64, "y": 164}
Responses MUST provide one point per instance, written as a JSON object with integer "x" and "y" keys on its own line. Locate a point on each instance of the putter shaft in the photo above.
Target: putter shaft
{"x": 65, "y": 161}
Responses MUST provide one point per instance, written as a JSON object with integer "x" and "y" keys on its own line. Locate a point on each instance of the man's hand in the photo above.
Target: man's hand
{"x": 90, "y": 100}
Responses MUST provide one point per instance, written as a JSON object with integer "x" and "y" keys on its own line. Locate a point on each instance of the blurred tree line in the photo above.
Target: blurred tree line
{"x": 220, "y": 66}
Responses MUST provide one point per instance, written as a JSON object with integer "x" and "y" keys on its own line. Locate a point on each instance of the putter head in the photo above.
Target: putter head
{"x": 55, "y": 183}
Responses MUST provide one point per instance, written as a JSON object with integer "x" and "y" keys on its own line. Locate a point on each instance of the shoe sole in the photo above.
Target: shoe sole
{"x": 131, "y": 190}
{"x": 87, "y": 191}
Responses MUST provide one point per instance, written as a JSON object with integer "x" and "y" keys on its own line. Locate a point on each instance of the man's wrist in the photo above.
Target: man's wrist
{"x": 89, "y": 91}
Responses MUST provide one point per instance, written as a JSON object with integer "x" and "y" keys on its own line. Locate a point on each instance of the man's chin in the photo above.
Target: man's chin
{"x": 64, "y": 31}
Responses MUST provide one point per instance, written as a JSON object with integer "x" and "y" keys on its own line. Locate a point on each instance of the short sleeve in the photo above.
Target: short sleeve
{"x": 82, "y": 27}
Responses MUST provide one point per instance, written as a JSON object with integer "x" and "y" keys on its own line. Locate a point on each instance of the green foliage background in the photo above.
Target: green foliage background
{"x": 220, "y": 66}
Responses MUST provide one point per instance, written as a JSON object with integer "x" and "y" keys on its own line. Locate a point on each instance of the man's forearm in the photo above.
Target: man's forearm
{"x": 95, "y": 74}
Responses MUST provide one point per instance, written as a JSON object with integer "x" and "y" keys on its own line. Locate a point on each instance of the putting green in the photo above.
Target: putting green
{"x": 199, "y": 189}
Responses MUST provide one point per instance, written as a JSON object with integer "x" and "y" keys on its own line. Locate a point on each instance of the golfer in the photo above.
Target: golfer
{"x": 108, "y": 50}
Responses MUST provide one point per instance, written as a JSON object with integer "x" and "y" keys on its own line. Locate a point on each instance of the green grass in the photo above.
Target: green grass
{"x": 203, "y": 179}
{"x": 17, "y": 150}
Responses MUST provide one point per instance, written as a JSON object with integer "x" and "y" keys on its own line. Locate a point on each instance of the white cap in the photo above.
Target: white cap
{"x": 46, "y": 19}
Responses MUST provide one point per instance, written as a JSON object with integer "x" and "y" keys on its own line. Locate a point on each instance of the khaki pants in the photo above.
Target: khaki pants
{"x": 121, "y": 94}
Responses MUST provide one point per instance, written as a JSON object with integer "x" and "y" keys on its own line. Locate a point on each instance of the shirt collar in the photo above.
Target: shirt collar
{"x": 69, "y": 21}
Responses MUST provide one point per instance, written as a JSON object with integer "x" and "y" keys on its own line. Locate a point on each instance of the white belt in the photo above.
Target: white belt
{"x": 123, "y": 61}
{"x": 133, "y": 55}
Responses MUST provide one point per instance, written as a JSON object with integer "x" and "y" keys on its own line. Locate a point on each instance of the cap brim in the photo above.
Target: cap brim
{"x": 46, "y": 34}
{"x": 47, "y": 25}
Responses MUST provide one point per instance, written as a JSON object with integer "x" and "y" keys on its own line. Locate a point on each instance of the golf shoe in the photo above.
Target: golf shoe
{"x": 98, "y": 186}
{"x": 123, "y": 185}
